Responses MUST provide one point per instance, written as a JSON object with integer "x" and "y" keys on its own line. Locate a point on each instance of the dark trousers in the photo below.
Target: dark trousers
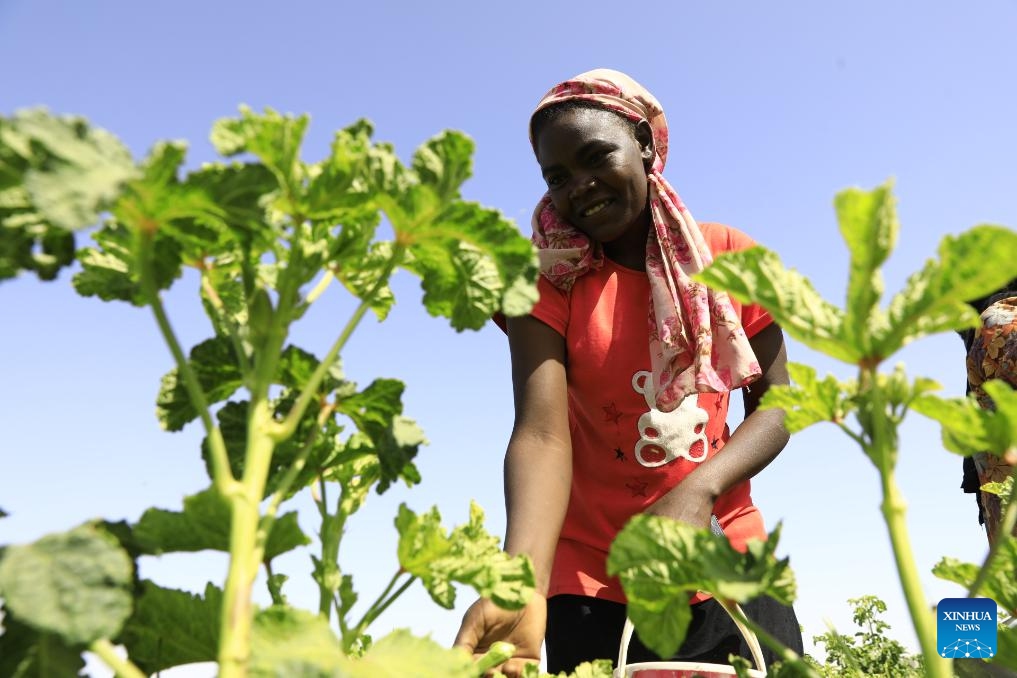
{"x": 581, "y": 629}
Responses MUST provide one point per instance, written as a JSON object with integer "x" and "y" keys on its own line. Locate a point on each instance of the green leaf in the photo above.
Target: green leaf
{"x": 240, "y": 192}
{"x": 27, "y": 653}
{"x": 999, "y": 585}
{"x": 111, "y": 270}
{"x": 74, "y": 584}
{"x": 362, "y": 278}
{"x": 473, "y": 262}
{"x": 468, "y": 555}
{"x": 970, "y": 266}
{"x": 71, "y": 171}
{"x": 1007, "y": 655}
{"x": 273, "y": 138}
{"x": 756, "y": 275}
{"x": 377, "y": 413}
{"x": 288, "y": 642}
{"x": 170, "y": 627}
{"x": 967, "y": 428}
{"x": 443, "y": 163}
{"x": 809, "y": 401}
{"x": 401, "y": 654}
{"x": 868, "y": 223}
{"x": 205, "y": 524}
{"x": 661, "y": 561}
{"x": 215, "y": 365}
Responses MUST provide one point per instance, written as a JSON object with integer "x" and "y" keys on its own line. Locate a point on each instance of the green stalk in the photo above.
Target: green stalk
{"x": 882, "y": 450}
{"x": 289, "y": 425}
{"x": 123, "y": 667}
{"x": 246, "y": 547}
{"x": 223, "y": 476}
{"x": 379, "y": 606}
{"x": 331, "y": 535}
{"x": 785, "y": 653}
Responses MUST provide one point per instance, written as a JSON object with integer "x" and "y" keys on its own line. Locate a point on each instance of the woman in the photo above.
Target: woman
{"x": 621, "y": 376}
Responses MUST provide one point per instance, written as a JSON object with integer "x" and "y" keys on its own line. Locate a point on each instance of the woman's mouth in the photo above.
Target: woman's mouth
{"x": 594, "y": 208}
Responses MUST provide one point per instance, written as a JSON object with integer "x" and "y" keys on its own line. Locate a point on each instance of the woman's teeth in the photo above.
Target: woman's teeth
{"x": 596, "y": 208}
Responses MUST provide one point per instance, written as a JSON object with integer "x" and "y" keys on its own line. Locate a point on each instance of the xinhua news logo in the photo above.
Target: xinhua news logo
{"x": 966, "y": 627}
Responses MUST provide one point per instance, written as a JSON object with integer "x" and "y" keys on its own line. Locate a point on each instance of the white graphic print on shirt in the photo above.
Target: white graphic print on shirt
{"x": 665, "y": 436}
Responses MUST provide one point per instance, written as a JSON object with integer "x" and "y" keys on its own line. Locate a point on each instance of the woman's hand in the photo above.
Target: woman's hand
{"x": 485, "y": 624}
{"x": 689, "y": 502}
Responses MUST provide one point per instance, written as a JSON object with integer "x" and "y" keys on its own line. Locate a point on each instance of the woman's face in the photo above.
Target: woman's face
{"x": 595, "y": 169}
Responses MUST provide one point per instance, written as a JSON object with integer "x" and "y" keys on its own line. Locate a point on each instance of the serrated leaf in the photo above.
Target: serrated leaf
{"x": 868, "y": 223}
{"x": 468, "y": 555}
{"x": 273, "y": 138}
{"x": 74, "y": 584}
{"x": 361, "y": 277}
{"x": 27, "y": 653}
{"x": 967, "y": 428}
{"x": 401, "y": 654}
{"x": 377, "y": 413}
{"x": 205, "y": 524}
{"x": 1007, "y": 642}
{"x": 74, "y": 171}
{"x": 111, "y": 270}
{"x": 970, "y": 266}
{"x": 170, "y": 627}
{"x": 809, "y": 401}
{"x": 444, "y": 162}
{"x": 999, "y": 585}
{"x": 215, "y": 366}
{"x": 288, "y": 642}
{"x": 473, "y": 262}
{"x": 756, "y": 275}
{"x": 240, "y": 192}
{"x": 661, "y": 561}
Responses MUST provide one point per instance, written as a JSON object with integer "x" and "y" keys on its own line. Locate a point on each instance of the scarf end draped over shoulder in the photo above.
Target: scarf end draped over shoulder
{"x": 697, "y": 343}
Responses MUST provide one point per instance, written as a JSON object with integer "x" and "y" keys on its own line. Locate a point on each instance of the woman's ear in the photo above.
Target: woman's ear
{"x": 644, "y": 137}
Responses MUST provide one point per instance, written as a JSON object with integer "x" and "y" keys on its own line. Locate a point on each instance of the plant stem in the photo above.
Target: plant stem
{"x": 223, "y": 476}
{"x": 289, "y": 425}
{"x": 123, "y": 666}
{"x": 238, "y": 346}
{"x": 785, "y": 653}
{"x": 320, "y": 288}
{"x": 882, "y": 450}
{"x": 247, "y": 546}
{"x": 379, "y": 606}
{"x": 894, "y": 508}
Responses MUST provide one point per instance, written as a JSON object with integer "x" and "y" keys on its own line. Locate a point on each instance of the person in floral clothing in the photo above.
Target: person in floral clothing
{"x": 992, "y": 354}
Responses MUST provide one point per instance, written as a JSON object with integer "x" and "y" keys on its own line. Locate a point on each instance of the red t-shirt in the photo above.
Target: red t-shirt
{"x": 625, "y": 453}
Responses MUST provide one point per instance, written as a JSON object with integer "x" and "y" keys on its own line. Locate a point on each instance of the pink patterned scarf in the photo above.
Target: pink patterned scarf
{"x": 697, "y": 343}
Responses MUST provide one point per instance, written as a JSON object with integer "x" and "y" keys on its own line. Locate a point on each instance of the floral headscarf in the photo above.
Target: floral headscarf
{"x": 697, "y": 343}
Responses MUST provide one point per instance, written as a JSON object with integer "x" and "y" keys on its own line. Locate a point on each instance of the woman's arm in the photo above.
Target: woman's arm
{"x": 753, "y": 445}
{"x": 538, "y": 477}
{"x": 538, "y": 463}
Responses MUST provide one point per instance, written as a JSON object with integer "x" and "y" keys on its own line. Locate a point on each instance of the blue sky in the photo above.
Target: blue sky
{"x": 773, "y": 108}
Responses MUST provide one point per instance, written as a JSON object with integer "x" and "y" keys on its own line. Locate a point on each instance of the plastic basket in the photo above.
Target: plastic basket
{"x": 678, "y": 669}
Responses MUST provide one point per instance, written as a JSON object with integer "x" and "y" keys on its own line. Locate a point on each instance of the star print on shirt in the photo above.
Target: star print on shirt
{"x": 618, "y": 454}
{"x": 637, "y": 487}
{"x": 611, "y": 413}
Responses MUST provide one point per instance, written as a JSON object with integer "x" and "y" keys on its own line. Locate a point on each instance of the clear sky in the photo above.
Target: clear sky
{"x": 773, "y": 108}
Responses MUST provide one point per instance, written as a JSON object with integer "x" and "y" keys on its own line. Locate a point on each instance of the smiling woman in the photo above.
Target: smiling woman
{"x": 622, "y": 376}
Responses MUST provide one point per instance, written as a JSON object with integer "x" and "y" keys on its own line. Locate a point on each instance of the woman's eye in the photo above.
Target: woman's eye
{"x": 554, "y": 180}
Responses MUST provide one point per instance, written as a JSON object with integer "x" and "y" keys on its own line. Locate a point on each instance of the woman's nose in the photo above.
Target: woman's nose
{"x": 581, "y": 186}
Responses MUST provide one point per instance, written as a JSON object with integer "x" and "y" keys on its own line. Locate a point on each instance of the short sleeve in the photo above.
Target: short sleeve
{"x": 721, "y": 238}
{"x": 552, "y": 308}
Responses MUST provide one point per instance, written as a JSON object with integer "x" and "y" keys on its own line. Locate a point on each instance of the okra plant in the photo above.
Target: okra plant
{"x": 265, "y": 234}
{"x": 660, "y": 562}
